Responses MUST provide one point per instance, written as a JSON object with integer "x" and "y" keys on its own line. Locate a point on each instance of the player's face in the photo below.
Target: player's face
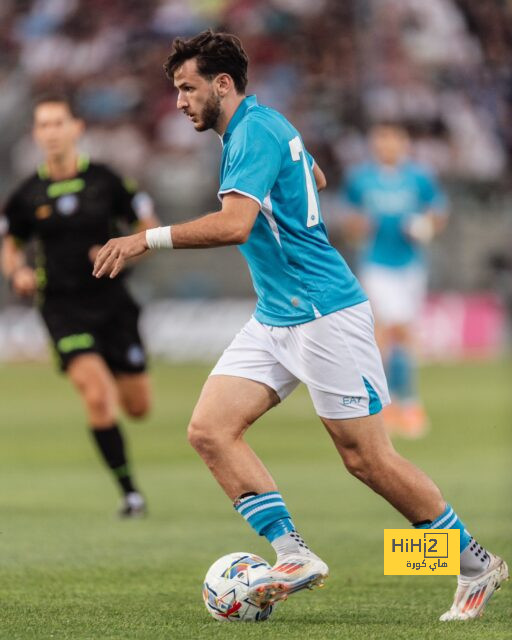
{"x": 197, "y": 97}
{"x": 389, "y": 144}
{"x": 55, "y": 129}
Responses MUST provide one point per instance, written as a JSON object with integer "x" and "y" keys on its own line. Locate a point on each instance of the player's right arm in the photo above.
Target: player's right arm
{"x": 15, "y": 269}
{"x": 230, "y": 226}
{"x": 19, "y": 229}
{"x": 355, "y": 222}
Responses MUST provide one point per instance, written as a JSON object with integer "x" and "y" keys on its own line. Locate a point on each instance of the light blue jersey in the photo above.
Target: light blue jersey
{"x": 390, "y": 196}
{"x": 297, "y": 275}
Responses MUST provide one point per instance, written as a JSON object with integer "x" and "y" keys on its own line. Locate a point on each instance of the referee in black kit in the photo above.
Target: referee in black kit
{"x": 71, "y": 207}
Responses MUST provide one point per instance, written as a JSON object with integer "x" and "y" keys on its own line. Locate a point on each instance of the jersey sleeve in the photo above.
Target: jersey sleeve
{"x": 430, "y": 192}
{"x": 253, "y": 162}
{"x": 17, "y": 219}
{"x": 131, "y": 205}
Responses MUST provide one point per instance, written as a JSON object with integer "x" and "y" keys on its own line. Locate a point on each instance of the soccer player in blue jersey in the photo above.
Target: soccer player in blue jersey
{"x": 312, "y": 323}
{"x": 393, "y": 210}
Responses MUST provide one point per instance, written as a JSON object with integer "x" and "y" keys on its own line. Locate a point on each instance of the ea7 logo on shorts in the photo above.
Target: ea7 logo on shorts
{"x": 350, "y": 401}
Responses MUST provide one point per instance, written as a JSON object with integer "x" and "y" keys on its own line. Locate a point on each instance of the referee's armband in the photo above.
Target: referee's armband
{"x": 159, "y": 238}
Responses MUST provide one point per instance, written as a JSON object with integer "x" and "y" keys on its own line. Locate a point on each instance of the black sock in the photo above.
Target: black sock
{"x": 111, "y": 445}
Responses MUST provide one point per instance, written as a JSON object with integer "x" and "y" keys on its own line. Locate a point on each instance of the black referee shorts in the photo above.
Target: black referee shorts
{"x": 105, "y": 323}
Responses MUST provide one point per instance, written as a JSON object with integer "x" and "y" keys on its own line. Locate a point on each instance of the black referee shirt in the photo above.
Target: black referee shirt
{"x": 67, "y": 218}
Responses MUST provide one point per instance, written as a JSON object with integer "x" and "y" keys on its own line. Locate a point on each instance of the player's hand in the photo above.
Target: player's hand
{"x": 24, "y": 281}
{"x": 420, "y": 229}
{"x": 112, "y": 256}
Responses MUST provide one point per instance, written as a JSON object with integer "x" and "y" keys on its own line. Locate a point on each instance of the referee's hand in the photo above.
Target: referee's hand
{"x": 24, "y": 281}
{"x": 112, "y": 256}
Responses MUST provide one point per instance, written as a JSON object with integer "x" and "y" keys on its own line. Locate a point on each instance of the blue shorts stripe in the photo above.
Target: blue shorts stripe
{"x": 374, "y": 403}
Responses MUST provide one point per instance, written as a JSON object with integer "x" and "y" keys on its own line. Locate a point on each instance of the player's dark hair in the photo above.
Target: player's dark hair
{"x": 60, "y": 97}
{"x": 215, "y": 53}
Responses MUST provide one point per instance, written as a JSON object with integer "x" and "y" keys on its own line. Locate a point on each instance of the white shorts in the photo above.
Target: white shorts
{"x": 336, "y": 356}
{"x": 396, "y": 295}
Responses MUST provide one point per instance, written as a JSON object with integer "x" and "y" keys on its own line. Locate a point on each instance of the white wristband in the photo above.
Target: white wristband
{"x": 421, "y": 228}
{"x": 159, "y": 238}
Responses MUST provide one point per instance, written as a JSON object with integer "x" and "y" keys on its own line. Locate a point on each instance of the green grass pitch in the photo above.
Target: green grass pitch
{"x": 70, "y": 570}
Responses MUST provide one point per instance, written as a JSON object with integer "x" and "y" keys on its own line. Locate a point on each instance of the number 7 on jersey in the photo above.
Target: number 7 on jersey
{"x": 296, "y": 149}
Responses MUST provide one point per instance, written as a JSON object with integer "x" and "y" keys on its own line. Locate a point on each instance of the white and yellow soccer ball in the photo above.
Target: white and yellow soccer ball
{"x": 226, "y": 586}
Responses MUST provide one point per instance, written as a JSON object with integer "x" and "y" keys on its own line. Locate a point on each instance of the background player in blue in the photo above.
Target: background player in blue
{"x": 394, "y": 209}
{"x": 312, "y": 324}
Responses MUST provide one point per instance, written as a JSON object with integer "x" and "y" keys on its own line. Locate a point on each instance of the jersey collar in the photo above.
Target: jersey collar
{"x": 247, "y": 103}
{"x": 82, "y": 164}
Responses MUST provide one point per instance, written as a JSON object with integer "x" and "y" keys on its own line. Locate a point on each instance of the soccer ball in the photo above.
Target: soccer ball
{"x": 226, "y": 586}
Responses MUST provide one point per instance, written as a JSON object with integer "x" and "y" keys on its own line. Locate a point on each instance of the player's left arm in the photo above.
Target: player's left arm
{"x": 320, "y": 179}
{"x": 231, "y": 225}
{"x": 434, "y": 218}
{"x": 318, "y": 174}
{"x": 439, "y": 219}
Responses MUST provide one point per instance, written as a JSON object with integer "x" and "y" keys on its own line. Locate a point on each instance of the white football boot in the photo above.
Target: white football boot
{"x": 291, "y": 573}
{"x": 133, "y": 506}
{"x": 472, "y": 594}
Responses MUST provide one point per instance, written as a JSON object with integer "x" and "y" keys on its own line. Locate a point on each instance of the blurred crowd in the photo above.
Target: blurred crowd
{"x": 442, "y": 66}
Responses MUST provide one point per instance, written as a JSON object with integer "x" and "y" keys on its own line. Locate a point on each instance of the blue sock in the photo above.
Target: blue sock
{"x": 448, "y": 520}
{"x": 401, "y": 373}
{"x": 267, "y": 514}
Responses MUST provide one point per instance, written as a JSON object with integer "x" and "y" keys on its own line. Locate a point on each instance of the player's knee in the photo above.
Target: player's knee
{"x": 361, "y": 464}
{"x": 367, "y": 465}
{"x": 203, "y": 437}
{"x": 138, "y": 407}
{"x": 99, "y": 403}
{"x": 199, "y": 436}
{"x": 138, "y": 412}
{"x": 400, "y": 334}
{"x": 134, "y": 394}
{"x": 355, "y": 464}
